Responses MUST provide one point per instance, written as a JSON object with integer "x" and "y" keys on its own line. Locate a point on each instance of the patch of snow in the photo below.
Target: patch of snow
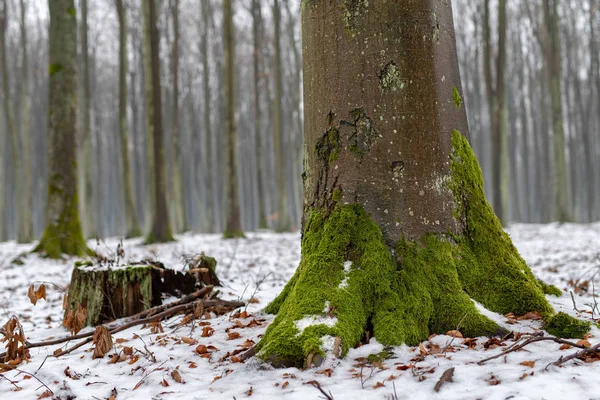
{"x": 313, "y": 320}
{"x": 557, "y": 254}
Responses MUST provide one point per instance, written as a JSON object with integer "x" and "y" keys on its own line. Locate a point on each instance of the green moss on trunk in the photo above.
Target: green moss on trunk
{"x": 350, "y": 280}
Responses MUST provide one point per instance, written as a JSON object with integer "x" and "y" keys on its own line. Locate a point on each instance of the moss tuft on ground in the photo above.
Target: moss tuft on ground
{"x": 565, "y": 326}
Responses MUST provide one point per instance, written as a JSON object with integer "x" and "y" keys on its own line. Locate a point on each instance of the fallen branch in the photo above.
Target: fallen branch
{"x": 186, "y": 299}
{"x": 167, "y": 313}
{"x": 580, "y": 353}
{"x": 535, "y": 338}
{"x": 186, "y": 303}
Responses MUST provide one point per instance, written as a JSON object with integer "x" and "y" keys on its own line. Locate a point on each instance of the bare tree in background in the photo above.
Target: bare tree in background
{"x": 160, "y": 230}
{"x": 63, "y": 234}
{"x": 233, "y": 225}
{"x": 132, "y": 224}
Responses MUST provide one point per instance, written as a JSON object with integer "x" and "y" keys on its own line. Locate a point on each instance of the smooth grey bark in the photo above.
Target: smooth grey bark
{"x": 233, "y": 225}
{"x": 63, "y": 234}
{"x": 132, "y": 226}
{"x": 176, "y": 184}
{"x": 160, "y": 230}
{"x": 283, "y": 222}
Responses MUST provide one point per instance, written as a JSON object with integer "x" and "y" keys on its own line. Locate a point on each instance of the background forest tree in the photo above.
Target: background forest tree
{"x": 546, "y": 112}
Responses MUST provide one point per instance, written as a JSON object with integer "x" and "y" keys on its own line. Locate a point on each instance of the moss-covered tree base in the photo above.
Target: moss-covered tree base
{"x": 134, "y": 233}
{"x": 233, "y": 235}
{"x": 350, "y": 280}
{"x": 55, "y": 243}
{"x": 109, "y": 293}
{"x": 161, "y": 237}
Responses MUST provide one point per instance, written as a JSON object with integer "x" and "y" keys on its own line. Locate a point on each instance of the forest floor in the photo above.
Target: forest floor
{"x": 567, "y": 256}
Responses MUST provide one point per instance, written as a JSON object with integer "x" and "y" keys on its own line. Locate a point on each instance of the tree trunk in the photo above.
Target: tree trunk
{"x": 25, "y": 227}
{"x": 63, "y": 233}
{"x": 176, "y": 186}
{"x": 160, "y": 230}
{"x": 397, "y": 234}
{"x": 132, "y": 224}
{"x": 85, "y": 156}
{"x": 283, "y": 221}
{"x": 9, "y": 116}
{"x": 211, "y": 195}
{"x": 257, "y": 35}
{"x": 553, "y": 61}
{"x": 497, "y": 104}
{"x": 233, "y": 226}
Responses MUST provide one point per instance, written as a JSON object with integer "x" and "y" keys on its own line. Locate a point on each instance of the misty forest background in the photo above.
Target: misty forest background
{"x": 531, "y": 84}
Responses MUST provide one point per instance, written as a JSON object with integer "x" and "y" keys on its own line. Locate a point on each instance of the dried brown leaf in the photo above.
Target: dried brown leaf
{"x": 529, "y": 364}
{"x": 233, "y": 335}
{"x": 31, "y": 294}
{"x": 176, "y": 376}
{"x": 285, "y": 384}
{"x": 455, "y": 334}
{"x": 188, "y": 340}
{"x": 207, "y": 331}
{"x": 533, "y": 315}
{"x": 103, "y": 341}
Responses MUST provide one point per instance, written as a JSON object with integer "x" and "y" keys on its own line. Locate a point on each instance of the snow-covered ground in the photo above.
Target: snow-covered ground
{"x": 565, "y": 255}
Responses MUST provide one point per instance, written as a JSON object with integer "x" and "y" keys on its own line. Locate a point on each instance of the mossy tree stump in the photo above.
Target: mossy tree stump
{"x": 109, "y": 293}
{"x": 398, "y": 238}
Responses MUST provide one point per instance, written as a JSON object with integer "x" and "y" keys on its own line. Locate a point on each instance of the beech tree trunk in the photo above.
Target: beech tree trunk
{"x": 233, "y": 225}
{"x": 63, "y": 234}
{"x": 85, "y": 153}
{"x": 160, "y": 230}
{"x": 132, "y": 224}
{"x": 25, "y": 227}
{"x": 283, "y": 221}
{"x": 398, "y": 237}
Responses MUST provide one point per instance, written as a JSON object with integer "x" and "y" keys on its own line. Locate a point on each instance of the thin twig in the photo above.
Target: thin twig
{"x": 580, "y": 353}
{"x": 157, "y": 317}
{"x": 11, "y": 381}
{"x": 317, "y": 385}
{"x": 536, "y": 338}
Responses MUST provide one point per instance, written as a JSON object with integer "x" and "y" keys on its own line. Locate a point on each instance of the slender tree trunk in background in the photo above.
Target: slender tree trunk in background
{"x": 131, "y": 220}
{"x": 553, "y": 61}
{"x": 13, "y": 133}
{"x": 283, "y": 222}
{"x": 257, "y": 35}
{"x": 25, "y": 231}
{"x": 149, "y": 107}
{"x": 546, "y": 164}
{"x": 63, "y": 233}
{"x": 296, "y": 141}
{"x": 233, "y": 225}
{"x": 529, "y": 191}
{"x": 210, "y": 162}
{"x": 176, "y": 186}
{"x": 86, "y": 187}
{"x": 497, "y": 103}
{"x": 160, "y": 230}
{"x": 587, "y": 136}
{"x": 397, "y": 236}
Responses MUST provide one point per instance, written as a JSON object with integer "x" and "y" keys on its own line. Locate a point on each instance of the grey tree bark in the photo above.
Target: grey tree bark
{"x": 63, "y": 234}
{"x": 233, "y": 225}
{"x": 132, "y": 225}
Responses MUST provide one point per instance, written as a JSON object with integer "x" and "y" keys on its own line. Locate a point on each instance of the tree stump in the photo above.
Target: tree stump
{"x": 111, "y": 292}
